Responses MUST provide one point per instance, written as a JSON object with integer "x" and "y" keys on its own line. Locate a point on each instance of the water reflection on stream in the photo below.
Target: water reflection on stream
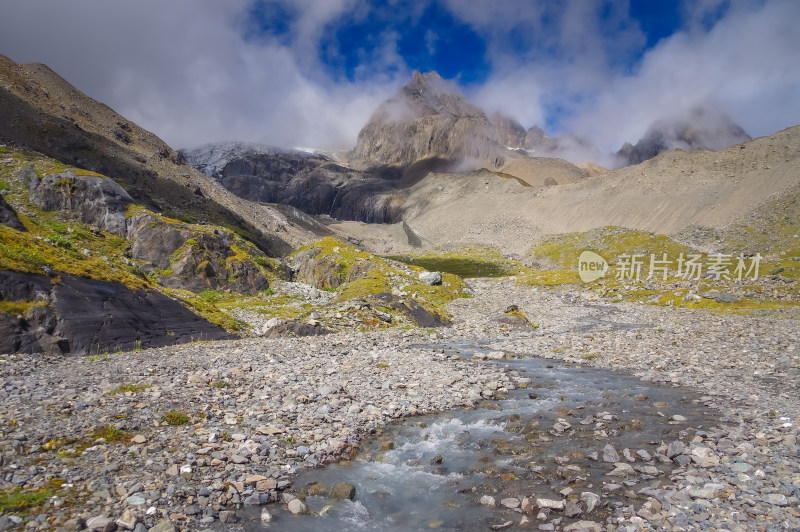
{"x": 440, "y": 465}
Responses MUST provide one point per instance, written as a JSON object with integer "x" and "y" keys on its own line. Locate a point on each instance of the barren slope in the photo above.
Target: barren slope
{"x": 667, "y": 195}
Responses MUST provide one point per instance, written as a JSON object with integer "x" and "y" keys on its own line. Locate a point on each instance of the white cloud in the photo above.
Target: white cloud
{"x": 745, "y": 66}
{"x": 183, "y": 69}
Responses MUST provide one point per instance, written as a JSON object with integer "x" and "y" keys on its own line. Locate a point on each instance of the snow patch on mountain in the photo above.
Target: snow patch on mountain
{"x": 212, "y": 158}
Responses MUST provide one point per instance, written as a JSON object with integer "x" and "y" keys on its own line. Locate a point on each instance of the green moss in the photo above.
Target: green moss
{"x": 281, "y": 306}
{"x": 174, "y": 417}
{"x": 135, "y": 210}
{"x": 210, "y": 311}
{"x": 30, "y": 252}
{"x": 335, "y": 262}
{"x": 546, "y": 278}
{"x": 266, "y": 262}
{"x": 608, "y": 242}
{"x": 16, "y": 500}
{"x": 112, "y": 434}
{"x": 335, "y": 259}
{"x": 4, "y": 186}
{"x": 128, "y": 388}
{"x": 210, "y": 296}
{"x": 20, "y": 308}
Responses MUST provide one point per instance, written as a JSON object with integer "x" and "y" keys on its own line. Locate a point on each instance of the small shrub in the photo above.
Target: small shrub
{"x": 62, "y": 242}
{"x": 128, "y": 387}
{"x": 4, "y": 185}
{"x": 176, "y": 418}
{"x": 17, "y": 500}
{"x": 111, "y": 434}
{"x": 210, "y": 296}
{"x": 264, "y": 262}
{"x": 220, "y": 384}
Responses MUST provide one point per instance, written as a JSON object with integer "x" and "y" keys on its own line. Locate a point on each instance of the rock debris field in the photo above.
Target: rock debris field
{"x": 186, "y": 437}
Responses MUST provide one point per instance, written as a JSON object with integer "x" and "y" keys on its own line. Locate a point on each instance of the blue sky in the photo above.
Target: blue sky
{"x": 310, "y": 72}
{"x": 437, "y": 39}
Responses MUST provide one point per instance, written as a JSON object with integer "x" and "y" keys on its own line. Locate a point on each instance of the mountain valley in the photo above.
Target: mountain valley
{"x": 184, "y": 332}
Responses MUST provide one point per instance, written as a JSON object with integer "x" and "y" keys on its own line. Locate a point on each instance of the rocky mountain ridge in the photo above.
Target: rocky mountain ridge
{"x": 41, "y": 111}
{"x": 429, "y": 127}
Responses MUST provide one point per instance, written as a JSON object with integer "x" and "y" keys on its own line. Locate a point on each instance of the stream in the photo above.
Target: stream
{"x": 430, "y": 472}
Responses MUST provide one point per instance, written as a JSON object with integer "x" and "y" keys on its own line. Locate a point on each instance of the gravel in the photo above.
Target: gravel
{"x": 259, "y": 410}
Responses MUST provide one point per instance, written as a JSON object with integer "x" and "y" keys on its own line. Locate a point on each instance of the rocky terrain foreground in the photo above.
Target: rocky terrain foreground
{"x": 185, "y": 437}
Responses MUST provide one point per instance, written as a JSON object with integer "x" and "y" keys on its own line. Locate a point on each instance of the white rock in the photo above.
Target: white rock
{"x": 510, "y": 502}
{"x": 550, "y": 503}
{"x": 296, "y": 506}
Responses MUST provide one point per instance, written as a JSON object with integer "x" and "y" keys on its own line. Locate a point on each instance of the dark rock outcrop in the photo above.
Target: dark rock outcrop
{"x": 8, "y": 216}
{"x": 410, "y": 308}
{"x": 94, "y": 200}
{"x": 697, "y": 129}
{"x": 86, "y": 316}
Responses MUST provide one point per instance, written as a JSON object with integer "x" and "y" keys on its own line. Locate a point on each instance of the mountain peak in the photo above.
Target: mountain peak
{"x": 696, "y": 128}
{"x": 425, "y": 79}
{"x": 429, "y": 118}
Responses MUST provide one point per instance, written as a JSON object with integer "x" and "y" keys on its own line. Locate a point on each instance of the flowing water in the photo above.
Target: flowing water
{"x": 429, "y": 472}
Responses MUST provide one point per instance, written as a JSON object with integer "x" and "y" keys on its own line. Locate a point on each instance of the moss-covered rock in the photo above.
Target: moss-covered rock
{"x": 88, "y": 198}
{"x": 392, "y": 287}
{"x": 196, "y": 257}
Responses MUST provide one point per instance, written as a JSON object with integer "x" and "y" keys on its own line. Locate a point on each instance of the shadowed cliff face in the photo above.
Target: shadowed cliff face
{"x": 314, "y": 184}
{"x": 698, "y": 129}
{"x": 84, "y": 316}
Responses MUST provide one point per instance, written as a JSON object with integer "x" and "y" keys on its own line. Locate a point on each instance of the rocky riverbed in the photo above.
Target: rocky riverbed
{"x": 185, "y": 437}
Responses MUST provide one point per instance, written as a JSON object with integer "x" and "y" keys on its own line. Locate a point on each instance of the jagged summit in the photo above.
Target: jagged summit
{"x": 698, "y": 128}
{"x": 428, "y": 93}
{"x": 428, "y": 118}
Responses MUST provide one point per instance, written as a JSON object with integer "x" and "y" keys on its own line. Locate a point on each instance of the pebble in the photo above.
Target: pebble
{"x": 510, "y": 502}
{"x": 488, "y": 500}
{"x": 552, "y": 504}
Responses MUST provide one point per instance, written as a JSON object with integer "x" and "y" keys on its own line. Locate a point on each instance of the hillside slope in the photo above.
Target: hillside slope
{"x": 42, "y": 111}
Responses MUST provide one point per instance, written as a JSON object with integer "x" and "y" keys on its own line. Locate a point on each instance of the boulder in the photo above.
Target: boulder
{"x": 195, "y": 257}
{"x": 342, "y": 490}
{"x": 431, "y": 278}
{"x": 8, "y": 216}
{"x": 90, "y": 199}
